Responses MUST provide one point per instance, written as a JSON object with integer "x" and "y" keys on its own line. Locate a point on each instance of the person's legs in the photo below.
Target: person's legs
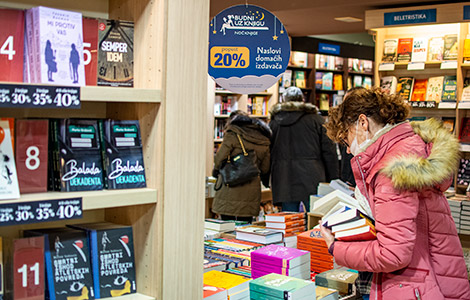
{"x": 244, "y": 219}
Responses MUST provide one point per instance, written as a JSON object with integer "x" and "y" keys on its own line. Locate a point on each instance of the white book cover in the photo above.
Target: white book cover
{"x": 389, "y": 84}
{"x": 436, "y": 49}
{"x": 434, "y": 88}
{"x": 9, "y": 188}
{"x": 59, "y": 43}
{"x": 419, "y": 52}
{"x": 465, "y": 94}
{"x": 390, "y": 50}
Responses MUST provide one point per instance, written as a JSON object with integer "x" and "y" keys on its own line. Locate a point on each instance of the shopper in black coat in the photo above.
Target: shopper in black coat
{"x": 301, "y": 153}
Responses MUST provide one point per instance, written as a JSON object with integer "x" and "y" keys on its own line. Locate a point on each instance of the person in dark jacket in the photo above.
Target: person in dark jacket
{"x": 301, "y": 153}
{"x": 242, "y": 202}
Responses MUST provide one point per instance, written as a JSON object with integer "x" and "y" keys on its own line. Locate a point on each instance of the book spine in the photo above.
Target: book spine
{"x": 93, "y": 240}
{"x": 101, "y": 130}
{"x": 49, "y": 269}
{"x": 36, "y": 67}
{"x": 260, "y": 288}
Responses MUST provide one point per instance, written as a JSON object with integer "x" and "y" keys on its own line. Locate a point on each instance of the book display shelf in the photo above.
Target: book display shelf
{"x": 167, "y": 216}
{"x": 451, "y": 23}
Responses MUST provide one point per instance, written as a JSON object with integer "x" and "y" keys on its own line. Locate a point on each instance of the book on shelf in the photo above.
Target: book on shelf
{"x": 214, "y": 293}
{"x": 339, "y": 63}
{"x": 327, "y": 81}
{"x": 324, "y": 293}
{"x": 258, "y": 234}
{"x": 449, "y": 89}
{"x": 90, "y": 50}
{"x": 12, "y": 40}
{"x": 32, "y": 155}
{"x": 112, "y": 258}
{"x": 9, "y": 188}
{"x": 259, "y": 103}
{"x": 285, "y": 216}
{"x": 362, "y": 233}
{"x": 338, "y": 279}
{"x": 390, "y": 50}
{"x": 355, "y": 64}
{"x": 219, "y": 225}
{"x": 451, "y": 47}
{"x": 67, "y": 263}
{"x": 419, "y": 90}
{"x": 368, "y": 65}
{"x": 357, "y": 81}
{"x": 282, "y": 287}
{"x": 389, "y": 84}
{"x": 405, "y": 87}
{"x": 318, "y": 80}
{"x": 324, "y": 101}
{"x": 287, "y": 78}
{"x": 435, "y": 49}
{"x": 122, "y": 154}
{"x": 448, "y": 123}
{"x": 367, "y": 82}
{"x": 405, "y": 47}
{"x": 419, "y": 52}
{"x": 434, "y": 88}
{"x": 300, "y": 79}
{"x": 466, "y": 50}
{"x": 321, "y": 61}
{"x": 116, "y": 53}
{"x": 56, "y": 50}
{"x": 299, "y": 59}
{"x": 337, "y": 82}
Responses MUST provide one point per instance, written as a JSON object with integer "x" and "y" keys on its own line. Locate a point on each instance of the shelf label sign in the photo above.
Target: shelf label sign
{"x": 413, "y": 66}
{"x": 387, "y": 67}
{"x": 410, "y": 17}
{"x": 329, "y": 49}
{"x": 423, "y": 104}
{"x": 39, "y": 96}
{"x": 40, "y": 211}
{"x": 249, "y": 49}
{"x": 466, "y": 12}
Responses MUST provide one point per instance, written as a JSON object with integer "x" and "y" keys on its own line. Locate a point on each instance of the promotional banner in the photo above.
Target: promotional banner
{"x": 249, "y": 49}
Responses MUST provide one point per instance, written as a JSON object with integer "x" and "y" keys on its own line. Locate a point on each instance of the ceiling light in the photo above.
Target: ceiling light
{"x": 348, "y": 19}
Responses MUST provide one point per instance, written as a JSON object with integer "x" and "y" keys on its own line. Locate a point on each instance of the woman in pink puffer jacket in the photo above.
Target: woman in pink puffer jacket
{"x": 402, "y": 169}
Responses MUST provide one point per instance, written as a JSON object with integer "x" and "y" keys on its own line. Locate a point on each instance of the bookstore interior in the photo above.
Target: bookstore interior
{"x": 102, "y": 166}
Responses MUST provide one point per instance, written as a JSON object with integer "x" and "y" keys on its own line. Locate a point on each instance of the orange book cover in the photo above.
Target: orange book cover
{"x": 419, "y": 90}
{"x": 285, "y": 225}
{"x": 285, "y": 216}
{"x": 363, "y": 233}
{"x": 314, "y": 250}
{"x": 320, "y": 256}
{"x": 405, "y": 46}
{"x": 290, "y": 231}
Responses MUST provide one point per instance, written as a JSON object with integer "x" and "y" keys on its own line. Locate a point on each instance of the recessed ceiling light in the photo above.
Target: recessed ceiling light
{"x": 348, "y": 19}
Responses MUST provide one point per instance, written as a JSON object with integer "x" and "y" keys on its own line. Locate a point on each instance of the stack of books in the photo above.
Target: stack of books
{"x": 280, "y": 287}
{"x": 324, "y": 293}
{"x": 213, "y": 228}
{"x": 236, "y": 286}
{"x": 244, "y": 271}
{"x": 258, "y": 234}
{"x": 341, "y": 280}
{"x": 465, "y": 218}
{"x": 289, "y": 223}
{"x": 280, "y": 260}
{"x": 312, "y": 241}
{"x": 455, "y": 204}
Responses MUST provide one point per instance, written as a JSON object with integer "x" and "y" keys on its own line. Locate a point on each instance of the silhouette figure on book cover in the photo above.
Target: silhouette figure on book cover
{"x": 74, "y": 62}
{"x": 50, "y": 61}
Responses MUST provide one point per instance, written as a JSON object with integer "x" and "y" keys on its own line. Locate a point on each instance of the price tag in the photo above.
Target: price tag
{"x": 423, "y": 104}
{"x": 447, "y": 105}
{"x": 40, "y": 211}
{"x": 39, "y": 96}
{"x": 449, "y": 64}
{"x": 464, "y": 105}
{"x": 386, "y": 67}
{"x": 413, "y": 66}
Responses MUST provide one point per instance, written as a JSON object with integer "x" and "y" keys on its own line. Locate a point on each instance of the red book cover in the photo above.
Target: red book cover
{"x": 11, "y": 122}
{"x": 90, "y": 50}
{"x": 32, "y": 155}
{"x": 28, "y": 268}
{"x": 465, "y": 131}
{"x": 11, "y": 45}
{"x": 405, "y": 46}
{"x": 358, "y": 234}
{"x": 419, "y": 90}
{"x": 212, "y": 290}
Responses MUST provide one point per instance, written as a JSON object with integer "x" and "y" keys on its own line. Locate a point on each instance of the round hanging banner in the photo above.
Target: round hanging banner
{"x": 249, "y": 49}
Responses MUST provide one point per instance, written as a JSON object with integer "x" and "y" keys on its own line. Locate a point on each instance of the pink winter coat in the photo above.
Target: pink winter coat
{"x": 417, "y": 253}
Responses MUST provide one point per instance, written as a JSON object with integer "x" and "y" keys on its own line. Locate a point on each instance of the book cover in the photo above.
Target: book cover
{"x": 213, "y": 293}
{"x": 464, "y": 135}
{"x": 419, "y": 90}
{"x": 451, "y": 44}
{"x": 258, "y": 105}
{"x": 338, "y": 279}
{"x": 434, "y": 89}
{"x": 58, "y": 46}
{"x": 466, "y": 50}
{"x": 300, "y": 79}
{"x": 67, "y": 263}
{"x": 389, "y": 84}
{"x": 362, "y": 233}
{"x": 348, "y": 215}
{"x": 357, "y": 80}
{"x": 367, "y": 82}
{"x": 405, "y": 87}
{"x": 112, "y": 258}
{"x": 321, "y": 61}
{"x": 324, "y": 293}
{"x": 325, "y": 203}
{"x": 12, "y": 44}
{"x": 9, "y": 188}
{"x": 449, "y": 89}
{"x": 352, "y": 224}
{"x": 327, "y": 81}
{"x": 436, "y": 49}
{"x": 285, "y": 216}
{"x": 219, "y": 225}
{"x": 299, "y": 59}
{"x": 283, "y": 287}
{"x": 390, "y": 50}
{"x": 405, "y": 47}
{"x": 285, "y": 225}
{"x": 78, "y": 155}
{"x": 448, "y": 123}
{"x": 281, "y": 256}
{"x": 258, "y": 234}
{"x": 337, "y": 82}
{"x": 116, "y": 53}
{"x": 122, "y": 154}
{"x": 32, "y": 155}
{"x": 419, "y": 52}
{"x": 231, "y": 282}
{"x": 90, "y": 50}
{"x": 318, "y": 80}
{"x": 287, "y": 78}
{"x": 324, "y": 101}
{"x": 339, "y": 63}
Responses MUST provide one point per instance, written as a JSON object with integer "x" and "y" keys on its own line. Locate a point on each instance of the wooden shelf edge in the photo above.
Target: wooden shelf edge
{"x": 119, "y": 94}
{"x": 136, "y": 296}
{"x": 97, "y": 199}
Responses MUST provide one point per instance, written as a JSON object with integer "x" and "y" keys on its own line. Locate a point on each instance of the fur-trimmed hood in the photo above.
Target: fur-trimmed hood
{"x": 253, "y": 130}
{"x": 288, "y": 113}
{"x": 409, "y": 171}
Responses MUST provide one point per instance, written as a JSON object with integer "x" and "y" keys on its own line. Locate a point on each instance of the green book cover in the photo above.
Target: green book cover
{"x": 449, "y": 90}
{"x": 283, "y": 287}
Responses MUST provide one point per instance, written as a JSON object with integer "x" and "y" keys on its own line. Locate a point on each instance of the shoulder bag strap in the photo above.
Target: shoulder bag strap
{"x": 241, "y": 144}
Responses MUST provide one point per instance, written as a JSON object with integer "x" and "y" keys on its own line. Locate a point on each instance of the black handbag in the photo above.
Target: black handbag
{"x": 240, "y": 168}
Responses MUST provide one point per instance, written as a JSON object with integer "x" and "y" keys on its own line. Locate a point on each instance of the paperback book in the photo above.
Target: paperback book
{"x": 121, "y": 150}
{"x": 280, "y": 256}
{"x": 390, "y": 50}
{"x": 405, "y": 47}
{"x": 327, "y": 81}
{"x": 405, "y": 87}
{"x": 12, "y": 43}
{"x": 389, "y": 84}
{"x": 283, "y": 287}
{"x": 419, "y": 53}
{"x": 419, "y": 90}
{"x": 434, "y": 88}
{"x": 449, "y": 90}
{"x": 90, "y": 50}
{"x": 338, "y": 279}
{"x": 9, "y": 188}
{"x": 258, "y": 234}
{"x": 451, "y": 44}
{"x": 436, "y": 49}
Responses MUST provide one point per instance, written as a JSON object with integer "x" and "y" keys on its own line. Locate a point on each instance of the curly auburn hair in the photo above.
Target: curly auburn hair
{"x": 381, "y": 107}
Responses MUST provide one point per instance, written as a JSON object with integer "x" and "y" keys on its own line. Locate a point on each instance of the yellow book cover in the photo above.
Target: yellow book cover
{"x": 466, "y": 49}
{"x": 258, "y": 105}
{"x": 231, "y": 282}
{"x": 322, "y": 292}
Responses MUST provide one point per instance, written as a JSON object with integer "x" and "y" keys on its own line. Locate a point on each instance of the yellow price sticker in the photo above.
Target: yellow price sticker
{"x": 230, "y": 57}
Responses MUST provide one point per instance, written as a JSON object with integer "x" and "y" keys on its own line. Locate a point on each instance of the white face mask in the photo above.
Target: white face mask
{"x": 355, "y": 148}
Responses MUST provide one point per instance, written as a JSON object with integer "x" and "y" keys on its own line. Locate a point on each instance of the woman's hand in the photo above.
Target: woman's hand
{"x": 327, "y": 235}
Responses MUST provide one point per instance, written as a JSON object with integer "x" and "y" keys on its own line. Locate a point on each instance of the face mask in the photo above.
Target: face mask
{"x": 355, "y": 148}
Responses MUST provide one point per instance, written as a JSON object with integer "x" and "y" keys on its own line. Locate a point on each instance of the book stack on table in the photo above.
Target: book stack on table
{"x": 289, "y": 223}
{"x": 236, "y": 286}
{"x": 280, "y": 287}
{"x": 312, "y": 241}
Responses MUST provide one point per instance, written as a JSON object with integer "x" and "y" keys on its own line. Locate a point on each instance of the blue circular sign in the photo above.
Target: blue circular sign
{"x": 249, "y": 49}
